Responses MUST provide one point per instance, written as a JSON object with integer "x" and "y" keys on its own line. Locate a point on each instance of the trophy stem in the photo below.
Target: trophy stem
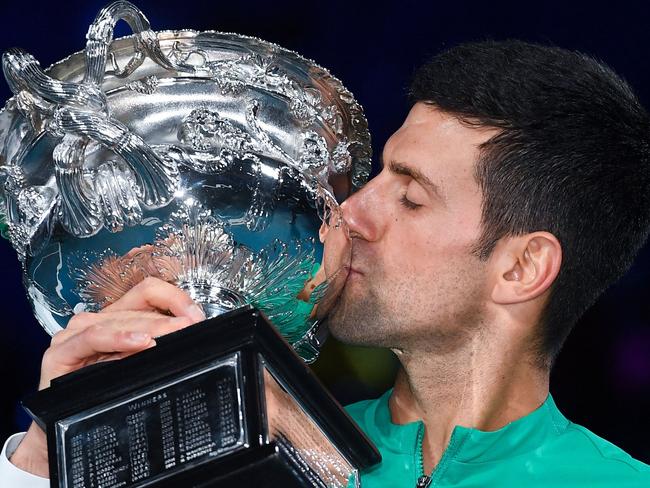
{"x": 214, "y": 299}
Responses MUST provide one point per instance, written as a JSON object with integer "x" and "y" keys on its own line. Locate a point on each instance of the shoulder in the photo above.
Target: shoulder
{"x": 578, "y": 448}
{"x": 359, "y": 408}
{"x": 363, "y": 412}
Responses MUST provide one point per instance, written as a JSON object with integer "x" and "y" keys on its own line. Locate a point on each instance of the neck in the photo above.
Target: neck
{"x": 481, "y": 385}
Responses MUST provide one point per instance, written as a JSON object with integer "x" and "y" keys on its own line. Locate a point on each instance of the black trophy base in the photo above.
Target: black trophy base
{"x": 226, "y": 402}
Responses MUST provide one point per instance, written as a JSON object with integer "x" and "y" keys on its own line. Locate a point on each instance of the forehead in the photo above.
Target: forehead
{"x": 438, "y": 145}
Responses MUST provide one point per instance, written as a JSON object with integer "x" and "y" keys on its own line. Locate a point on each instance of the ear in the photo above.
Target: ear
{"x": 525, "y": 267}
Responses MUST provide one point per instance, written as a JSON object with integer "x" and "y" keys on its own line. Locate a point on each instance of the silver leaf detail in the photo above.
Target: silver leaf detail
{"x": 146, "y": 86}
{"x": 118, "y": 192}
{"x": 341, "y": 157}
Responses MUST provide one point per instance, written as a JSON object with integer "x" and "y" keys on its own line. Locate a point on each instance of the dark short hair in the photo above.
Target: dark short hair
{"x": 571, "y": 158}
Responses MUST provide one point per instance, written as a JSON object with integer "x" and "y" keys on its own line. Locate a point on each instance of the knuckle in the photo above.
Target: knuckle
{"x": 166, "y": 325}
{"x": 93, "y": 330}
{"x": 58, "y": 338}
{"x": 47, "y": 358}
{"x": 149, "y": 283}
{"x": 179, "y": 322}
{"x": 79, "y": 319}
{"x": 118, "y": 337}
{"x": 104, "y": 338}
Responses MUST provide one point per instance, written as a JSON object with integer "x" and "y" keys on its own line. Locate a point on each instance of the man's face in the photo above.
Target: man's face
{"x": 413, "y": 276}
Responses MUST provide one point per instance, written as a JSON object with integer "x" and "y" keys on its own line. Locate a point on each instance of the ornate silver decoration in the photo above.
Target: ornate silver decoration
{"x": 117, "y": 146}
{"x": 117, "y": 190}
{"x": 306, "y": 103}
{"x": 79, "y": 211}
{"x": 314, "y": 153}
{"x": 342, "y": 158}
{"x": 196, "y": 252}
{"x": 205, "y": 130}
{"x": 146, "y": 86}
{"x": 78, "y": 113}
{"x": 34, "y": 202}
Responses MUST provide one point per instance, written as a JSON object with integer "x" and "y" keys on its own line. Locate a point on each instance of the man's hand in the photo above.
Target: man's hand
{"x": 150, "y": 309}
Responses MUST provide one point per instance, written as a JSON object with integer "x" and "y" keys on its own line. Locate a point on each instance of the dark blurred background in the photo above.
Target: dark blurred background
{"x": 602, "y": 378}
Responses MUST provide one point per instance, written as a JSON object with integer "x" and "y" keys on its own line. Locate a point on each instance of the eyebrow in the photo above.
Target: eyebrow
{"x": 403, "y": 169}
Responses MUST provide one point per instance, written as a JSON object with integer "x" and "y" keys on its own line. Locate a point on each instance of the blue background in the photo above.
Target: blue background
{"x": 602, "y": 378}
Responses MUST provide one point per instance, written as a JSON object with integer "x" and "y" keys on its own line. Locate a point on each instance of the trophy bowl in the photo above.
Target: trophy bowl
{"x": 206, "y": 159}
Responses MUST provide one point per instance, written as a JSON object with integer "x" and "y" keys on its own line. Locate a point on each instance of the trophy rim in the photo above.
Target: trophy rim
{"x": 358, "y": 133}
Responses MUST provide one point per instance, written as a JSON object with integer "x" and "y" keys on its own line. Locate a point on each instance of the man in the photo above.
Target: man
{"x": 516, "y": 191}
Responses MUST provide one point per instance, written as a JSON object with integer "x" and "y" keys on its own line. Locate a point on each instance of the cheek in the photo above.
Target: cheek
{"x": 430, "y": 262}
{"x": 420, "y": 242}
{"x": 441, "y": 280}
{"x": 427, "y": 242}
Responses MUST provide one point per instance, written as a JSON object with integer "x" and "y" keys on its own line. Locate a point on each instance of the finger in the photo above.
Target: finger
{"x": 156, "y": 327}
{"x": 121, "y": 355}
{"x": 82, "y": 320}
{"x": 77, "y": 323}
{"x": 111, "y": 338}
{"x": 85, "y": 347}
{"x": 119, "y": 320}
{"x": 152, "y": 294}
{"x": 61, "y": 336}
{"x": 97, "y": 340}
{"x": 154, "y": 324}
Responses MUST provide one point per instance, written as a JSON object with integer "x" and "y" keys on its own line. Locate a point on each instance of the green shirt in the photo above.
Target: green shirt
{"x": 542, "y": 449}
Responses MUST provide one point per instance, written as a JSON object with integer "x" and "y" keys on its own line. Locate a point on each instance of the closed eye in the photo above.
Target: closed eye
{"x": 408, "y": 203}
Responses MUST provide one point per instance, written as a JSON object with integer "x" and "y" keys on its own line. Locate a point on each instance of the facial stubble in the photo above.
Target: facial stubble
{"x": 366, "y": 315}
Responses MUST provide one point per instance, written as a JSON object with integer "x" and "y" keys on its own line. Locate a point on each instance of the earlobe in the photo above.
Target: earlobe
{"x": 527, "y": 267}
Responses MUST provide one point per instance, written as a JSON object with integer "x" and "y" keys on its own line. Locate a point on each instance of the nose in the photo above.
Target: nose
{"x": 362, "y": 211}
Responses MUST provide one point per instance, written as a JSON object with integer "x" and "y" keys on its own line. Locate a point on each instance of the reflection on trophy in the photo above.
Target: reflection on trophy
{"x": 214, "y": 162}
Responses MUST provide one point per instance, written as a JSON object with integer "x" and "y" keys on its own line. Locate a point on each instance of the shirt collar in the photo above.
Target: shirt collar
{"x": 472, "y": 445}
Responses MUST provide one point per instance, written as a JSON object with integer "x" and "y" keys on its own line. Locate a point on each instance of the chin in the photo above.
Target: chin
{"x": 357, "y": 325}
{"x": 350, "y": 336}
{"x": 341, "y": 325}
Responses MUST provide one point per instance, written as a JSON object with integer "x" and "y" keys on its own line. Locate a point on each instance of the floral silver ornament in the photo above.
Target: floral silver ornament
{"x": 197, "y": 157}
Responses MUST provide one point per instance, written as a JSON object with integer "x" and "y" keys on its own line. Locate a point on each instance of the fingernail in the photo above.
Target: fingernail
{"x": 138, "y": 337}
{"x": 195, "y": 312}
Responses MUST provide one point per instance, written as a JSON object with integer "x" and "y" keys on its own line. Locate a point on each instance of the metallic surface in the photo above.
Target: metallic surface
{"x": 196, "y": 157}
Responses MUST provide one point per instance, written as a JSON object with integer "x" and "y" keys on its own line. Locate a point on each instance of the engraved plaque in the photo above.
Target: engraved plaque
{"x": 192, "y": 419}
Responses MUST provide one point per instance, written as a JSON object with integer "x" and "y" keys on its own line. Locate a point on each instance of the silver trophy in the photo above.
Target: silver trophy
{"x": 209, "y": 160}
{"x": 197, "y": 157}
